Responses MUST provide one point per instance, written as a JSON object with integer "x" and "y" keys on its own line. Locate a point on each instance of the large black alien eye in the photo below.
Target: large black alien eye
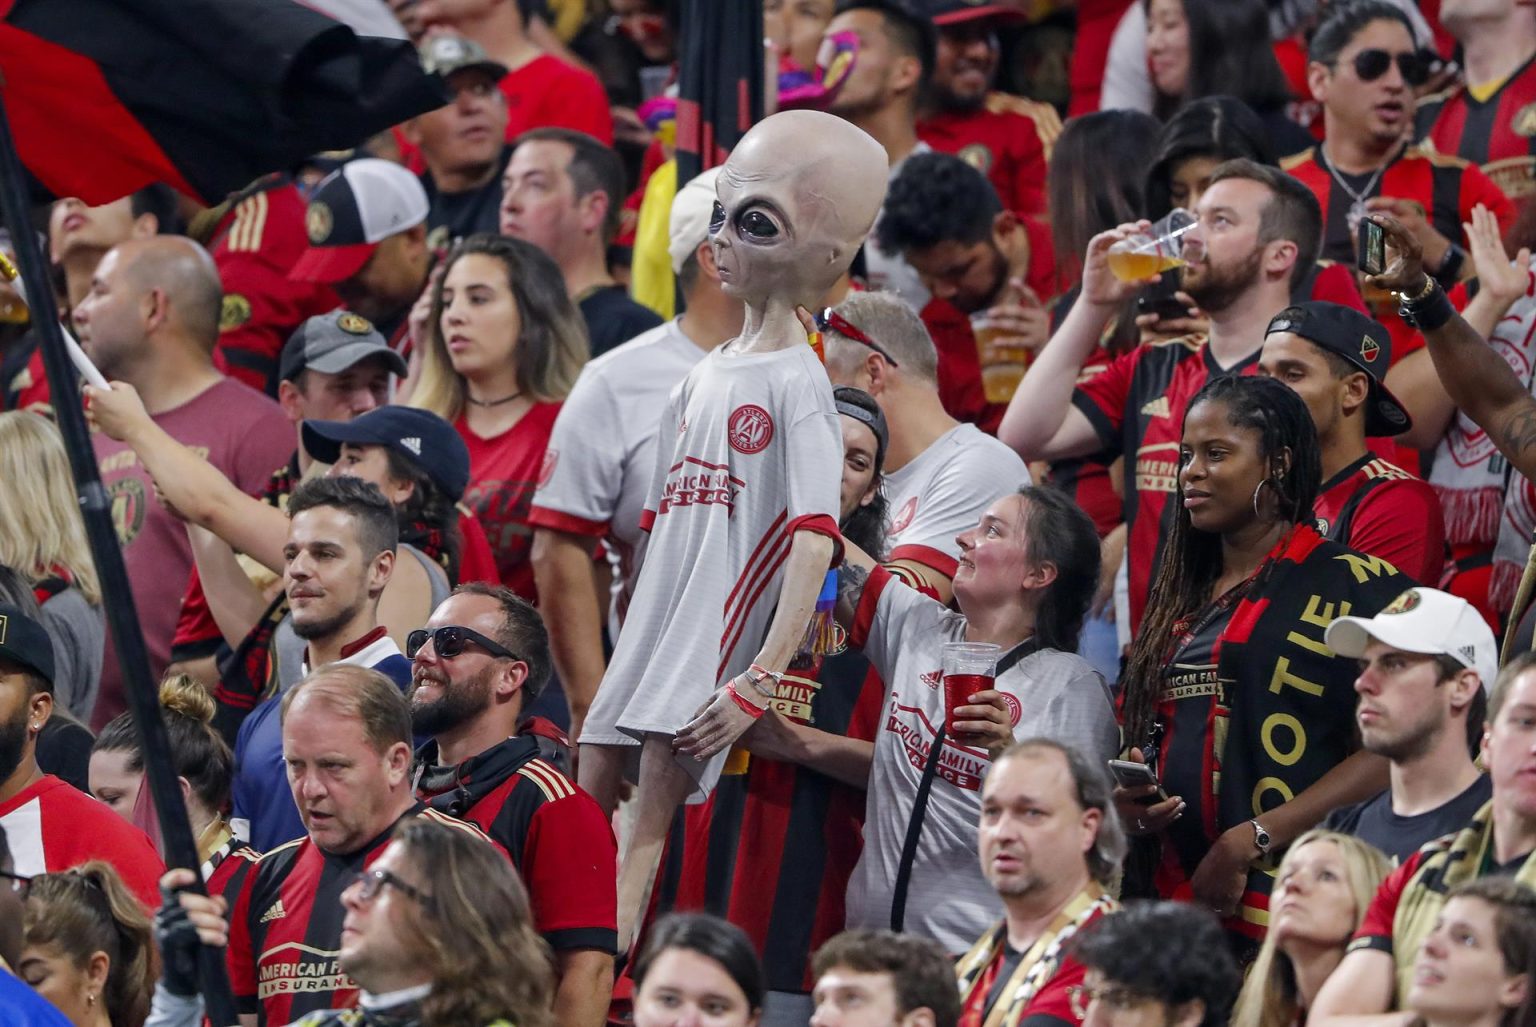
{"x": 716, "y": 218}
{"x": 758, "y": 225}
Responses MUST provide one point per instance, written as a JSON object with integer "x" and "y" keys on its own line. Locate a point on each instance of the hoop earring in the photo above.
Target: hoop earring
{"x": 1259, "y": 488}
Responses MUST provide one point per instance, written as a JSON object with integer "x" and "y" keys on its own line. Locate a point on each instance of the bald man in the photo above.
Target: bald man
{"x": 742, "y": 511}
{"x": 151, "y": 319}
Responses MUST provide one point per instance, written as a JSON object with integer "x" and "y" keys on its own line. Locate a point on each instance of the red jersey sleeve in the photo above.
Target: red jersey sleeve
{"x": 1375, "y": 931}
{"x": 1103, "y": 397}
{"x": 239, "y": 955}
{"x": 1401, "y": 522}
{"x": 570, "y": 862}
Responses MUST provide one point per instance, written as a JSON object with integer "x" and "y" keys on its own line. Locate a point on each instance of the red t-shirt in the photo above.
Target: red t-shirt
{"x": 244, "y": 435}
{"x": 254, "y": 246}
{"x": 1096, "y": 23}
{"x": 547, "y": 91}
{"x": 51, "y": 827}
{"x": 1009, "y": 142}
{"x": 503, "y": 474}
{"x": 1380, "y": 509}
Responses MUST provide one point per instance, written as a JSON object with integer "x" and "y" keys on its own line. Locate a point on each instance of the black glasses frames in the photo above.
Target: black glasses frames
{"x": 20, "y": 884}
{"x": 1370, "y": 65}
{"x": 374, "y": 881}
{"x": 450, "y": 640}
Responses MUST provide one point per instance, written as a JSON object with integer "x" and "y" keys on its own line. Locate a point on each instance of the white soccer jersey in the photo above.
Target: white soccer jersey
{"x": 944, "y": 491}
{"x": 750, "y": 450}
{"x": 1052, "y": 694}
{"x": 602, "y": 453}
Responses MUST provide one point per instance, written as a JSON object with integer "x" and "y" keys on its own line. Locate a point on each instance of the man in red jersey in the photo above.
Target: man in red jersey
{"x": 1491, "y": 119}
{"x": 1006, "y": 138}
{"x": 1255, "y": 241}
{"x": 1334, "y": 358}
{"x": 51, "y": 826}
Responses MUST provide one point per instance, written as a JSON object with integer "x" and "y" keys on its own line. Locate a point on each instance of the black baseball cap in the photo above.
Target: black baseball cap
{"x": 1362, "y": 341}
{"x": 944, "y": 13}
{"x": 331, "y": 343}
{"x": 862, "y": 407}
{"x": 24, "y": 642}
{"x": 423, "y": 438}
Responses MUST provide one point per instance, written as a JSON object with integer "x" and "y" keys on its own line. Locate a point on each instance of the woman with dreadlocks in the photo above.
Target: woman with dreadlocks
{"x": 1229, "y": 693}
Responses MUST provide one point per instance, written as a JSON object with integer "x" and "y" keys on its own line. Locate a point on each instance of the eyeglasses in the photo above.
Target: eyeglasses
{"x": 1370, "y": 65}
{"x": 371, "y": 882}
{"x": 831, "y": 320}
{"x": 449, "y": 641}
{"x": 1081, "y": 996}
{"x": 20, "y": 885}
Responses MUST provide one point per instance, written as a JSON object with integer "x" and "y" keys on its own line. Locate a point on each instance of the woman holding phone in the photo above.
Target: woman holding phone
{"x": 1229, "y": 694}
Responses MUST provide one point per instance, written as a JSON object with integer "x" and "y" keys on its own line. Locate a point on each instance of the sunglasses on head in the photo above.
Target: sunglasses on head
{"x": 830, "y": 320}
{"x": 1370, "y": 65}
{"x": 449, "y": 641}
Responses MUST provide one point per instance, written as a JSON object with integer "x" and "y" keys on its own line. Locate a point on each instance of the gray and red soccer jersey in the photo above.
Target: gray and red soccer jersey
{"x": 602, "y": 453}
{"x": 1049, "y": 693}
{"x": 749, "y": 452}
{"x": 944, "y": 491}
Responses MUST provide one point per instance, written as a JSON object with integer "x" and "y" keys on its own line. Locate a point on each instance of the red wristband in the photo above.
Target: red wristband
{"x": 747, "y": 707}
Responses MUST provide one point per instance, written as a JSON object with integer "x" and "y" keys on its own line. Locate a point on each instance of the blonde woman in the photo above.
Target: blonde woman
{"x": 504, "y": 348}
{"x": 44, "y": 541}
{"x": 1322, "y": 889}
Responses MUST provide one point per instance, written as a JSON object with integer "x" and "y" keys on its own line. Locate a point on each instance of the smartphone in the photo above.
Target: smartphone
{"x": 1158, "y": 298}
{"x": 1372, "y": 248}
{"x": 1137, "y": 775}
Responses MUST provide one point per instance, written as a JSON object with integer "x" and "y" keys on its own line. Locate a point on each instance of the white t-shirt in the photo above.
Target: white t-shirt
{"x": 602, "y": 453}
{"x": 944, "y": 491}
{"x": 1052, "y": 694}
{"x": 749, "y": 451}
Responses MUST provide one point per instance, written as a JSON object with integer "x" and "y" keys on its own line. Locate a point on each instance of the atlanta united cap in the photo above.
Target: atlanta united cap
{"x": 446, "y": 53}
{"x": 1361, "y": 341}
{"x": 23, "y": 641}
{"x": 1423, "y": 620}
{"x": 689, "y": 221}
{"x": 331, "y": 343}
{"x": 953, "y": 12}
{"x": 423, "y": 438}
{"x": 354, "y": 208}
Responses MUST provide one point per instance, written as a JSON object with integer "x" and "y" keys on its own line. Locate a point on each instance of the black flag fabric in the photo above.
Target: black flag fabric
{"x": 108, "y": 96}
{"x": 719, "y": 80}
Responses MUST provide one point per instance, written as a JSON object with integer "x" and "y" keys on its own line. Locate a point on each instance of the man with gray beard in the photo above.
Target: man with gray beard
{"x": 482, "y": 657}
{"x": 1049, "y": 842}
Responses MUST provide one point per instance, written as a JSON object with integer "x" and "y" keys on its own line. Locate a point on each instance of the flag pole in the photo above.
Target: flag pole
{"x": 117, "y": 599}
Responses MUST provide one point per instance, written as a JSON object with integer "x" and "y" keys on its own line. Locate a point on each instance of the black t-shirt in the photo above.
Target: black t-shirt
{"x": 64, "y": 750}
{"x": 452, "y": 216}
{"x": 1400, "y": 837}
{"x": 1011, "y": 959}
{"x": 613, "y": 318}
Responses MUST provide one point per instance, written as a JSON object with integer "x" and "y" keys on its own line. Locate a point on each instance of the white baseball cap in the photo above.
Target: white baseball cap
{"x": 1423, "y": 620}
{"x": 354, "y": 208}
{"x": 691, "y": 210}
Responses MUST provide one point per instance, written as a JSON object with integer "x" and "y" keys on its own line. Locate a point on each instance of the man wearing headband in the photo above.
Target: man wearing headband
{"x": 940, "y": 474}
{"x": 1334, "y": 358}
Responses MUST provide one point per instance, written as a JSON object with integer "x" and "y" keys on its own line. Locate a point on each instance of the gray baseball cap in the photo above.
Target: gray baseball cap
{"x": 331, "y": 343}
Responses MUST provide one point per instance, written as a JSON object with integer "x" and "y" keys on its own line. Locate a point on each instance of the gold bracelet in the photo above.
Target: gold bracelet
{"x": 1423, "y": 294}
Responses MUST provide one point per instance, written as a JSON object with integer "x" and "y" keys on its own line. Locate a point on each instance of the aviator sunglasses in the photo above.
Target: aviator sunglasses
{"x": 1370, "y": 65}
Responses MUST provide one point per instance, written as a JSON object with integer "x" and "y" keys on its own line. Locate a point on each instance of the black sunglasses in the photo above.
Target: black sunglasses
{"x": 1370, "y": 65}
{"x": 20, "y": 884}
{"x": 450, "y": 641}
{"x": 831, "y": 320}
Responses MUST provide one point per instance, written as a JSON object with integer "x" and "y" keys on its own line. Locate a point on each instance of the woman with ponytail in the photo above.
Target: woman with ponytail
{"x": 87, "y": 947}
{"x": 1229, "y": 693}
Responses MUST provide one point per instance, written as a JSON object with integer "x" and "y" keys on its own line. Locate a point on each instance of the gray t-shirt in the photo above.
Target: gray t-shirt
{"x": 79, "y": 636}
{"x": 1052, "y": 694}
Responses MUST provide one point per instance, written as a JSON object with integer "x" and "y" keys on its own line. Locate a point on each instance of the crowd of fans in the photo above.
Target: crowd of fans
{"x": 1250, "y": 534}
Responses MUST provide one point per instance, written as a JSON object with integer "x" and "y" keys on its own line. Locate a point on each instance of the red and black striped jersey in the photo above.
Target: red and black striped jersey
{"x": 1448, "y": 187}
{"x": 556, "y": 834}
{"x": 1498, "y": 134}
{"x": 1136, "y": 406}
{"x": 285, "y": 929}
{"x": 773, "y": 847}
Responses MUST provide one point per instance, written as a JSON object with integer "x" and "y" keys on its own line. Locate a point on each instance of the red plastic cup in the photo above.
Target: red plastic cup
{"x": 968, "y": 668}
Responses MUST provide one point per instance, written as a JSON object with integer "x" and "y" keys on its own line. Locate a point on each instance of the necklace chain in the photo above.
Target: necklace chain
{"x": 492, "y": 402}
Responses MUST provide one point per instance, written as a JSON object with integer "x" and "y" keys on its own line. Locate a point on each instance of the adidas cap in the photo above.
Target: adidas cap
{"x": 423, "y": 438}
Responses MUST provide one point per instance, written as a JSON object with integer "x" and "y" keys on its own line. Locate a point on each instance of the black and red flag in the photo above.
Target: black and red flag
{"x": 108, "y": 96}
{"x": 719, "y": 80}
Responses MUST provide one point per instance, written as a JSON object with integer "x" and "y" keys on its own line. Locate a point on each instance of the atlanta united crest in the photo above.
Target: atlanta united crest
{"x": 750, "y": 429}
